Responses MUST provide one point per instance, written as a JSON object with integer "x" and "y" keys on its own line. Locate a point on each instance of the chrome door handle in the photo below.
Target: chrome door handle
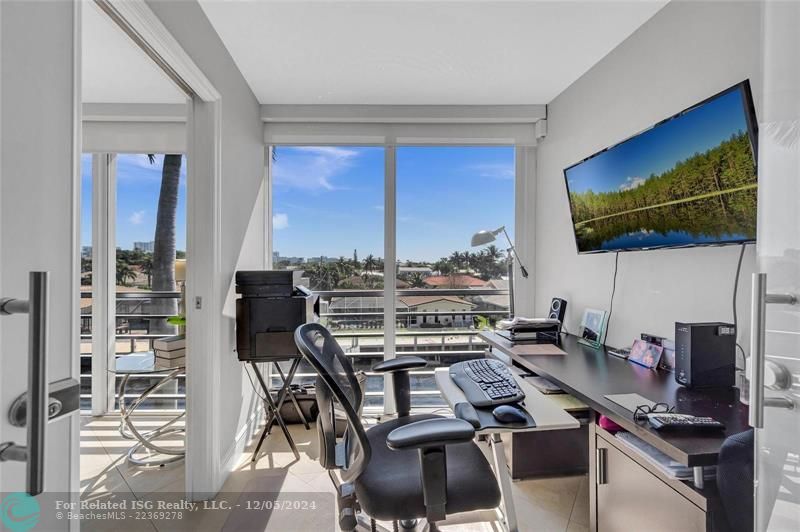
{"x": 38, "y": 412}
{"x": 758, "y": 326}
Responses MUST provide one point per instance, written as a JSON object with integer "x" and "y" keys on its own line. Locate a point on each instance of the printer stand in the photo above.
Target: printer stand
{"x": 273, "y": 410}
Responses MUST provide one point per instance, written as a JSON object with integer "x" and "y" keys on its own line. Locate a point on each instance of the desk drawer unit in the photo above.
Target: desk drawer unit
{"x": 629, "y": 497}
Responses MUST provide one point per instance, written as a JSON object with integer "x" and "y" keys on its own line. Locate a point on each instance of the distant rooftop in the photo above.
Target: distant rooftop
{"x": 414, "y": 301}
{"x": 454, "y": 281}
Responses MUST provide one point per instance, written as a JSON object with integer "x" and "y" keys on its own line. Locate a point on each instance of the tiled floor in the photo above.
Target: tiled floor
{"x": 552, "y": 505}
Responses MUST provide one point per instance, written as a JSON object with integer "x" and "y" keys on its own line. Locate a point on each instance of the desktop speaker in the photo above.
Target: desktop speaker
{"x": 705, "y": 354}
{"x": 558, "y": 309}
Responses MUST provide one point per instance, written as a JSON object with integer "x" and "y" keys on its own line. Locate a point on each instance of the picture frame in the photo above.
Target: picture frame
{"x": 668, "y": 356}
{"x": 593, "y": 326}
{"x": 646, "y": 354}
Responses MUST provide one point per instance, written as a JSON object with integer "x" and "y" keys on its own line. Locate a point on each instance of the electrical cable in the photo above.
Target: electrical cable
{"x": 735, "y": 293}
{"x": 613, "y": 291}
{"x": 253, "y": 384}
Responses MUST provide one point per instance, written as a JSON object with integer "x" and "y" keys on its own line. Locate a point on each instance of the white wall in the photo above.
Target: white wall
{"x": 684, "y": 54}
{"x": 242, "y": 168}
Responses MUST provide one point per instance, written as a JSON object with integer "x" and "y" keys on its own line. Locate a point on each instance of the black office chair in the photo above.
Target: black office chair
{"x": 735, "y": 483}
{"x": 401, "y": 470}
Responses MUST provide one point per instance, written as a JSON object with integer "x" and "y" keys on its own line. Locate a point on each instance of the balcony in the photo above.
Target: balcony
{"x": 439, "y": 325}
{"x": 356, "y": 317}
{"x": 133, "y": 334}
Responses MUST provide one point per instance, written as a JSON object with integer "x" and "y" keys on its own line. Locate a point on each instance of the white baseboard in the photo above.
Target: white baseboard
{"x": 243, "y": 438}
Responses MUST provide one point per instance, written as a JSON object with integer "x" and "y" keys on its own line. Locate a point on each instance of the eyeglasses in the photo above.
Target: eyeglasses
{"x": 640, "y": 414}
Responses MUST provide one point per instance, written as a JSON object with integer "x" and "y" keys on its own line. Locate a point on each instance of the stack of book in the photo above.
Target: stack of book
{"x": 170, "y": 352}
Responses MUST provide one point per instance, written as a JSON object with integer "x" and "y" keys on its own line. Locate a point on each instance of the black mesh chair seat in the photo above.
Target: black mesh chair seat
{"x": 391, "y": 484}
{"x": 387, "y": 483}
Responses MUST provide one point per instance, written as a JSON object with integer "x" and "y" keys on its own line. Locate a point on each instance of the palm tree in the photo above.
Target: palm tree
{"x": 471, "y": 260}
{"x": 323, "y": 276}
{"x": 147, "y": 268}
{"x": 455, "y": 260}
{"x": 344, "y": 267}
{"x": 125, "y": 272}
{"x": 493, "y": 252}
{"x": 163, "y": 269}
{"x": 370, "y": 263}
{"x": 416, "y": 280}
{"x": 443, "y": 266}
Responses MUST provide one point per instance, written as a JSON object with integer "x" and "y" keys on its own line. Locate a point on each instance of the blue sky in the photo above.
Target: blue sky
{"x": 329, "y": 200}
{"x": 138, "y": 187}
{"x": 629, "y": 164}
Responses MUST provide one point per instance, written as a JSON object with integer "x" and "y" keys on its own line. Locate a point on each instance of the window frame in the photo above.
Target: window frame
{"x": 522, "y": 137}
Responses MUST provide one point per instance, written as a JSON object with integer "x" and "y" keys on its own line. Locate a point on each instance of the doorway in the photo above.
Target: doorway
{"x": 133, "y": 268}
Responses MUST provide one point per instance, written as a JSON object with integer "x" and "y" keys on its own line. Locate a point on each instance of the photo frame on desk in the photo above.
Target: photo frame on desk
{"x": 593, "y": 325}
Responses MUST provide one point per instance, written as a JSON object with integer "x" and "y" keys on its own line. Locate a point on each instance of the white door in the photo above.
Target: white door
{"x": 39, "y": 122}
{"x": 777, "y": 419}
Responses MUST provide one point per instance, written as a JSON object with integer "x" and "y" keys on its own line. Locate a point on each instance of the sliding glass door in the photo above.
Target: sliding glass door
{"x": 329, "y": 217}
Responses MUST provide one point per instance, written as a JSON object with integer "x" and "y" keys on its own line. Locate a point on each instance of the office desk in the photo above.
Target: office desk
{"x": 545, "y": 412}
{"x": 622, "y": 483}
{"x": 591, "y": 374}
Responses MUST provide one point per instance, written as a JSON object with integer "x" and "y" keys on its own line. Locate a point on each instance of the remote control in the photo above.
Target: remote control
{"x": 682, "y": 421}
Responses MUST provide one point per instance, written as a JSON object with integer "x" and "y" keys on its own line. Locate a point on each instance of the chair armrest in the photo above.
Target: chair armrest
{"x": 401, "y": 382}
{"x": 430, "y": 433}
{"x": 400, "y": 364}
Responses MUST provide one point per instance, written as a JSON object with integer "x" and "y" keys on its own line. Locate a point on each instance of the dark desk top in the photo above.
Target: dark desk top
{"x": 590, "y": 374}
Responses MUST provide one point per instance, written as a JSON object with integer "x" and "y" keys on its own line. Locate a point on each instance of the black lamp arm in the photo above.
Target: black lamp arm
{"x": 513, "y": 249}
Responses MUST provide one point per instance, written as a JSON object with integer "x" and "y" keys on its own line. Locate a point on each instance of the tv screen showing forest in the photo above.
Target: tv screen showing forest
{"x": 690, "y": 180}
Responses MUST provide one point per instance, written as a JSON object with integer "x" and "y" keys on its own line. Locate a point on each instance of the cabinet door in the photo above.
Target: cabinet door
{"x": 630, "y": 498}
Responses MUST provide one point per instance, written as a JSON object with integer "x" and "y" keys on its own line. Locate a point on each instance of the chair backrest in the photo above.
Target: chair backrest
{"x": 337, "y": 388}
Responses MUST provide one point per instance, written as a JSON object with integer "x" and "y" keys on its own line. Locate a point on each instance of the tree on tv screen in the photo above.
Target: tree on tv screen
{"x": 716, "y": 173}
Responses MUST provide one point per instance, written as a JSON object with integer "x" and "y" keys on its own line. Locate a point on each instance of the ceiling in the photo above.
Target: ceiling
{"x": 115, "y": 69}
{"x": 416, "y": 53}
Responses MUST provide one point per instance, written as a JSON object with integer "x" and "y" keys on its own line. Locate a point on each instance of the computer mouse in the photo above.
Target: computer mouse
{"x": 509, "y": 414}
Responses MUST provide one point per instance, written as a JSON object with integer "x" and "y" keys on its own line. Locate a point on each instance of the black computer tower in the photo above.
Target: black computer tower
{"x": 705, "y": 354}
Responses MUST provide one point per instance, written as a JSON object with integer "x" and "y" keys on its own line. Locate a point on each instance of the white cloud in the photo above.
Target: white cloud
{"x": 494, "y": 170}
{"x": 136, "y": 218}
{"x": 315, "y": 170}
{"x": 280, "y": 220}
{"x": 632, "y": 183}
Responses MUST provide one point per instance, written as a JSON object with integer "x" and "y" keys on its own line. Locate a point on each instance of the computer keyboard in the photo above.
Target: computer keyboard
{"x": 486, "y": 382}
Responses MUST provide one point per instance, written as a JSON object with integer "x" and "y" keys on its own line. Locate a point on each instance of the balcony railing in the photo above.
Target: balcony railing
{"x": 442, "y": 336}
{"x": 133, "y": 334}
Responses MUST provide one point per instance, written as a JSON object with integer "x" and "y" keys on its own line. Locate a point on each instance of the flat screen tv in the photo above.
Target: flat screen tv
{"x": 689, "y": 180}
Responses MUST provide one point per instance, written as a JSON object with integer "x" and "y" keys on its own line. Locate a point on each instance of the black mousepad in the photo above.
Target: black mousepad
{"x": 488, "y": 421}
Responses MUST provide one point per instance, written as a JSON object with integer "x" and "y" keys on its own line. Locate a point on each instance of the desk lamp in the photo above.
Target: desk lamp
{"x": 482, "y": 238}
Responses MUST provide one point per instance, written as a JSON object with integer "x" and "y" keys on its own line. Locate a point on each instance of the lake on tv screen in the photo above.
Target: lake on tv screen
{"x": 691, "y": 180}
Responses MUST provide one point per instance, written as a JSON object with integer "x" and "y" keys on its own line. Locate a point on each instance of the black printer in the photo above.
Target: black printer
{"x": 273, "y": 304}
